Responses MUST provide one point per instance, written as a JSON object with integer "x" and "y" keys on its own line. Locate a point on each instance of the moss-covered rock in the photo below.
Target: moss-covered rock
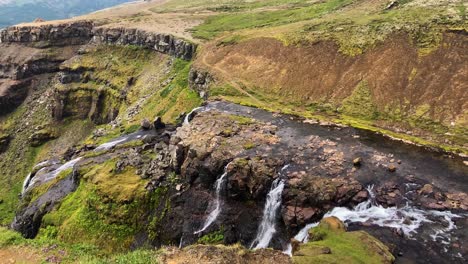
{"x": 330, "y": 243}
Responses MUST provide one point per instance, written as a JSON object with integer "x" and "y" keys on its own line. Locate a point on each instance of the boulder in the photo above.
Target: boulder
{"x": 158, "y": 123}
{"x": 145, "y": 124}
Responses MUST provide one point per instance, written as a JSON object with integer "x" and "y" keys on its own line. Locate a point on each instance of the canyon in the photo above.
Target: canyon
{"x": 118, "y": 141}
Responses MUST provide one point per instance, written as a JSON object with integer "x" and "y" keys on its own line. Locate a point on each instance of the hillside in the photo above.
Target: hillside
{"x": 232, "y": 131}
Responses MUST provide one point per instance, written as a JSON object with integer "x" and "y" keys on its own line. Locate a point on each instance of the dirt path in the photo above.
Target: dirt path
{"x": 19, "y": 255}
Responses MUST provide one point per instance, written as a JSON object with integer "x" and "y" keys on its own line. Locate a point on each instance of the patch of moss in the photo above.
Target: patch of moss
{"x": 360, "y": 103}
{"x": 345, "y": 247}
{"x": 213, "y": 238}
{"x": 106, "y": 210}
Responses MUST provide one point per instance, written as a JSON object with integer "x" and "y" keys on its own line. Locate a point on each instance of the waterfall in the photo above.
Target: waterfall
{"x": 267, "y": 227}
{"x": 189, "y": 116}
{"x": 33, "y": 179}
{"x": 217, "y": 204}
{"x": 26, "y": 183}
{"x": 111, "y": 144}
{"x": 407, "y": 219}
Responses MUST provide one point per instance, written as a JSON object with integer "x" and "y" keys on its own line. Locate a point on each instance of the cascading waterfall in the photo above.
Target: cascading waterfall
{"x": 370, "y": 212}
{"x": 188, "y": 117}
{"x": 111, "y": 144}
{"x": 267, "y": 227}
{"x": 393, "y": 217}
{"x": 217, "y": 204}
{"x": 32, "y": 179}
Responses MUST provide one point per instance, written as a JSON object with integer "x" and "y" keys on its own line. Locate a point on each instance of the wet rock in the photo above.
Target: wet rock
{"x": 427, "y": 189}
{"x": 315, "y": 194}
{"x": 28, "y": 219}
{"x": 295, "y": 245}
{"x": 158, "y": 123}
{"x": 145, "y": 124}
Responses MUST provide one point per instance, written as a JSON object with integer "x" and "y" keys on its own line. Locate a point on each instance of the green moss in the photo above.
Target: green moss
{"x": 241, "y": 120}
{"x": 346, "y": 247}
{"x": 360, "y": 103}
{"x": 9, "y": 237}
{"x": 213, "y": 238}
{"x": 173, "y": 99}
{"x": 106, "y": 210}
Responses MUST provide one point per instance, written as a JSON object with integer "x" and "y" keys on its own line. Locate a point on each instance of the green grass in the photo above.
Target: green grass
{"x": 215, "y": 25}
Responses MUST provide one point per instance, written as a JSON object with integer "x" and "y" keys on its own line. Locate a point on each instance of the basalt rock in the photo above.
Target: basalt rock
{"x": 163, "y": 43}
{"x": 200, "y": 81}
{"x": 28, "y": 218}
{"x": 308, "y": 197}
{"x": 74, "y": 33}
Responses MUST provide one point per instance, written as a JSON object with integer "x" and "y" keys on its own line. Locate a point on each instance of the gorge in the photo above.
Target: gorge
{"x": 151, "y": 134}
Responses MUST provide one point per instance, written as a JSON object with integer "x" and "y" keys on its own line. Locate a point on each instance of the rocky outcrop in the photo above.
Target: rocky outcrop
{"x": 309, "y": 197}
{"x": 28, "y": 219}
{"x": 73, "y": 33}
{"x": 163, "y": 43}
{"x": 81, "y": 32}
{"x": 200, "y": 81}
{"x": 100, "y": 106}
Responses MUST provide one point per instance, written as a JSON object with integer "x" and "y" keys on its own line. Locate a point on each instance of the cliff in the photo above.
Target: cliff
{"x": 81, "y": 32}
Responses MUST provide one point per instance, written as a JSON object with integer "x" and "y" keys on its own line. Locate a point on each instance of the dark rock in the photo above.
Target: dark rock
{"x": 4, "y": 142}
{"x": 28, "y": 219}
{"x": 158, "y": 123}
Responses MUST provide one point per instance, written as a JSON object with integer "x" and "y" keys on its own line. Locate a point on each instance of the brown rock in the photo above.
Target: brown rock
{"x": 427, "y": 189}
{"x": 391, "y": 168}
{"x": 296, "y": 245}
{"x": 145, "y": 124}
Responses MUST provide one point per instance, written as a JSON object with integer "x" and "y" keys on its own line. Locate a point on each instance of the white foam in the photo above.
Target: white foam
{"x": 111, "y": 144}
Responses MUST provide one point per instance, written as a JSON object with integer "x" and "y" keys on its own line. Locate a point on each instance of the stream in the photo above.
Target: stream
{"x": 420, "y": 235}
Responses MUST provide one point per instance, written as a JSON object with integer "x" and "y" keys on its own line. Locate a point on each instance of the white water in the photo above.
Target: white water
{"x": 267, "y": 227}
{"x": 29, "y": 182}
{"x": 111, "y": 144}
{"x": 408, "y": 219}
{"x": 187, "y": 117}
{"x": 26, "y": 183}
{"x": 217, "y": 205}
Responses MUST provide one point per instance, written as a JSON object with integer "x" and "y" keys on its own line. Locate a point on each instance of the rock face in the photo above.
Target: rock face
{"x": 81, "y": 32}
{"x": 74, "y": 33}
{"x": 164, "y": 43}
{"x": 200, "y": 81}
{"x": 28, "y": 219}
